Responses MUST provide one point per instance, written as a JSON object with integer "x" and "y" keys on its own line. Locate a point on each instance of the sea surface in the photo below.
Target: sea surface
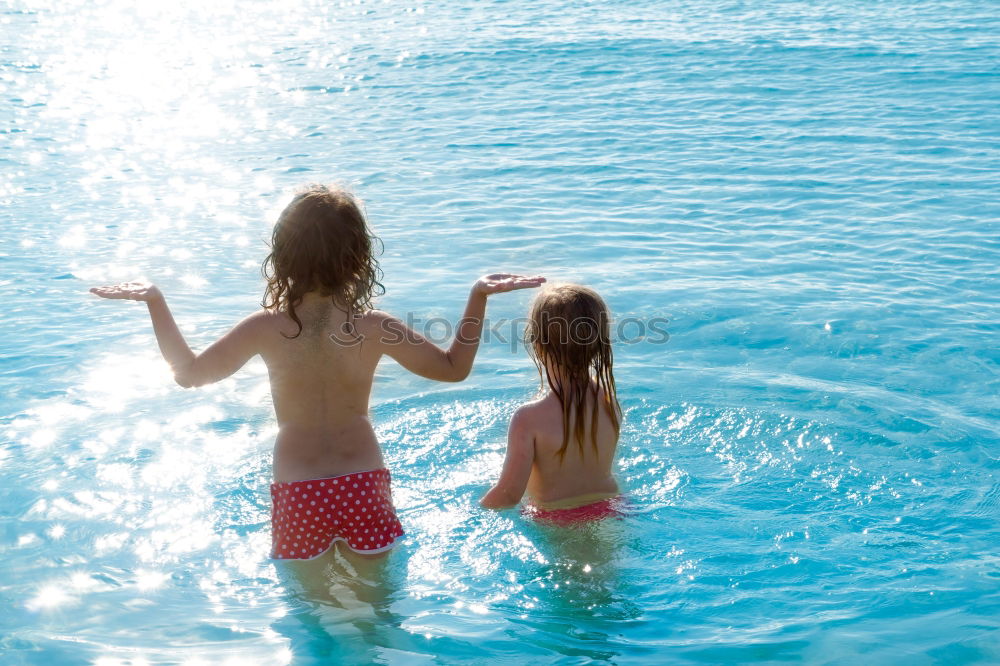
{"x": 791, "y": 208}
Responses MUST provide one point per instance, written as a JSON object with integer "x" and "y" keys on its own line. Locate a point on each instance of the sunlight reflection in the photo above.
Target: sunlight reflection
{"x": 249, "y": 555}
{"x": 194, "y": 281}
{"x": 109, "y": 543}
{"x": 26, "y": 539}
{"x": 118, "y": 474}
{"x": 178, "y": 530}
{"x": 119, "y": 379}
{"x": 59, "y": 411}
{"x": 84, "y": 582}
{"x": 147, "y": 431}
{"x": 50, "y": 597}
{"x": 75, "y": 238}
{"x": 41, "y": 438}
{"x": 150, "y": 580}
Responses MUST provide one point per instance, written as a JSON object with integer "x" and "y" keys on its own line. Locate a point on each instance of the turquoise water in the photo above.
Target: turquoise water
{"x": 805, "y": 190}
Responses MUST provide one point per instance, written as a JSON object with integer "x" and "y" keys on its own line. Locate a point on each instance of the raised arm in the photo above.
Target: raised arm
{"x": 420, "y": 356}
{"x": 509, "y": 489}
{"x": 224, "y": 357}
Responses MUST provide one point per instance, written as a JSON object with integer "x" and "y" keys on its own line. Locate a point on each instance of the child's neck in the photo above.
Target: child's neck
{"x": 556, "y": 376}
{"x": 311, "y": 298}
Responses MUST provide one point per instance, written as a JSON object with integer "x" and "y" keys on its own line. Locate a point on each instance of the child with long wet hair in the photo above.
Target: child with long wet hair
{"x": 561, "y": 447}
{"x": 321, "y": 340}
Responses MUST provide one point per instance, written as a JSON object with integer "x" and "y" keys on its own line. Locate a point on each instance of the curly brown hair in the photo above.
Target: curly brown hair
{"x": 569, "y": 331}
{"x": 321, "y": 242}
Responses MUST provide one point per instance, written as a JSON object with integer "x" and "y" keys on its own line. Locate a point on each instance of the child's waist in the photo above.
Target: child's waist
{"x": 573, "y": 502}
{"x": 312, "y": 453}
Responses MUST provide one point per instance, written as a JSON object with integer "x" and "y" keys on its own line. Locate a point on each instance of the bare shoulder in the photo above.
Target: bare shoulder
{"x": 385, "y": 329}
{"x": 370, "y": 318}
{"x": 530, "y": 416}
{"x": 262, "y": 321}
{"x": 375, "y": 324}
{"x": 262, "y": 327}
{"x": 262, "y": 317}
{"x": 522, "y": 430}
{"x": 253, "y": 322}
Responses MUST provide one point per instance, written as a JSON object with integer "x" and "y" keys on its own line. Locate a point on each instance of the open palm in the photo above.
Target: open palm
{"x": 501, "y": 282}
{"x": 132, "y": 291}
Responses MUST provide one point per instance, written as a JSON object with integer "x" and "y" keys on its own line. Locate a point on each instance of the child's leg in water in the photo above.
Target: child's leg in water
{"x": 357, "y": 583}
{"x": 349, "y": 597}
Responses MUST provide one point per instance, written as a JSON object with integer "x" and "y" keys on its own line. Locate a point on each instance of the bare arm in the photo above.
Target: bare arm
{"x": 420, "y": 356}
{"x": 509, "y": 488}
{"x": 224, "y": 357}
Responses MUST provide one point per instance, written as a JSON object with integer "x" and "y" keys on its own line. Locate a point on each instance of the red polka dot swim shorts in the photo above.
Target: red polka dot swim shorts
{"x": 308, "y": 516}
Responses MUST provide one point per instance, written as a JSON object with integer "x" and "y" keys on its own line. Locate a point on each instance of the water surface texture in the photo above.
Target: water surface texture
{"x": 806, "y": 191}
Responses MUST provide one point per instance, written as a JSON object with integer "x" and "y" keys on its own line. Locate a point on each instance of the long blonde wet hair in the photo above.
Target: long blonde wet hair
{"x": 321, "y": 242}
{"x": 569, "y": 331}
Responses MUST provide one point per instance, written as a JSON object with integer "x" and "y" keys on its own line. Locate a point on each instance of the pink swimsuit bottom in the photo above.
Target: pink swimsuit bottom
{"x": 308, "y": 516}
{"x": 606, "y": 508}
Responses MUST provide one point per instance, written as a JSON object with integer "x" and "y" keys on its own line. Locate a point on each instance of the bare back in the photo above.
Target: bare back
{"x": 579, "y": 477}
{"x": 320, "y": 385}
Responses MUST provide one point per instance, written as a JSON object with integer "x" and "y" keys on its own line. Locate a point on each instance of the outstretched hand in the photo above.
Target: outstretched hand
{"x": 500, "y": 282}
{"x": 132, "y": 291}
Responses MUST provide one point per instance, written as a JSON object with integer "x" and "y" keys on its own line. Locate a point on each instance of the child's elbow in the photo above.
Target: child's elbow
{"x": 186, "y": 380}
{"x": 497, "y": 499}
{"x": 458, "y": 375}
{"x": 455, "y": 372}
{"x": 447, "y": 373}
{"x": 487, "y": 503}
{"x": 189, "y": 375}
